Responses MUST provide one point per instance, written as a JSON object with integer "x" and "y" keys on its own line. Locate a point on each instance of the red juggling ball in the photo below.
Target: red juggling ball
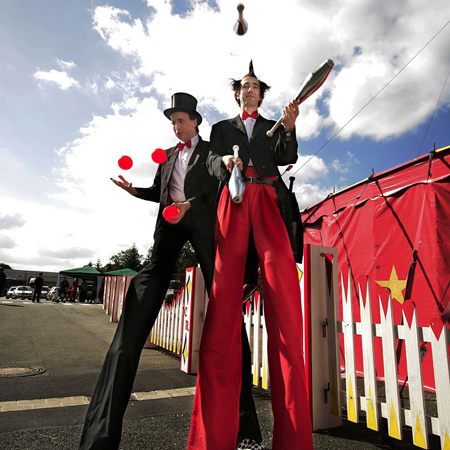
{"x": 170, "y": 212}
{"x": 159, "y": 156}
{"x": 125, "y": 163}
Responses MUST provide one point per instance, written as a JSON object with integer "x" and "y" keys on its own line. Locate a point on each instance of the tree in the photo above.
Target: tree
{"x": 5, "y": 266}
{"x": 186, "y": 258}
{"x": 126, "y": 259}
{"x": 148, "y": 257}
{"x": 98, "y": 265}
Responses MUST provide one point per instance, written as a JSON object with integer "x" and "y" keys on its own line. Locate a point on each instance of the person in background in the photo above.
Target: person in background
{"x": 73, "y": 292}
{"x": 38, "y": 283}
{"x": 63, "y": 290}
{"x": 83, "y": 290}
{"x": 2, "y": 281}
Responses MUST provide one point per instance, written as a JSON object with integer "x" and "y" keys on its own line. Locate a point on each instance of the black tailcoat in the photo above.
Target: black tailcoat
{"x": 199, "y": 187}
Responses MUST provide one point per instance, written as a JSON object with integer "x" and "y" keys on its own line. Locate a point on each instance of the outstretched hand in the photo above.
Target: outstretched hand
{"x": 125, "y": 185}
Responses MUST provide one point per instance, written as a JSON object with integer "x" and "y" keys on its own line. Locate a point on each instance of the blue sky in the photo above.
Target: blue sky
{"x": 83, "y": 83}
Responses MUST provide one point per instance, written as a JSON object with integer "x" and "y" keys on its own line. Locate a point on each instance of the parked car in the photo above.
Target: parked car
{"x": 10, "y": 291}
{"x": 22, "y": 292}
{"x": 52, "y": 294}
{"x": 44, "y": 291}
{"x": 10, "y": 282}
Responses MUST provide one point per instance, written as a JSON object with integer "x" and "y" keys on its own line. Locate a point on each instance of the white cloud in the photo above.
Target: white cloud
{"x": 66, "y": 64}
{"x": 7, "y": 242}
{"x": 68, "y": 253}
{"x": 110, "y": 84}
{"x": 345, "y": 164}
{"x": 309, "y": 194}
{"x": 338, "y": 166}
{"x": 308, "y": 168}
{"x": 386, "y": 41}
{"x": 10, "y": 221}
{"x": 61, "y": 79}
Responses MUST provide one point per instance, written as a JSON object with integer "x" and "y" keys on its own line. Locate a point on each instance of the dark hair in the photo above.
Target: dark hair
{"x": 192, "y": 117}
{"x": 237, "y": 84}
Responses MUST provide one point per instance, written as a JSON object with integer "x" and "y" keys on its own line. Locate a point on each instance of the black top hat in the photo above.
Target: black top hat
{"x": 185, "y": 103}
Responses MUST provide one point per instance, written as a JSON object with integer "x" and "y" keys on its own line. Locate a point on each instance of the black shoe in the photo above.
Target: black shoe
{"x": 250, "y": 445}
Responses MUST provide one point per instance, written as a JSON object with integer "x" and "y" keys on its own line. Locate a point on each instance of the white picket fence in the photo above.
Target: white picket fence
{"x": 257, "y": 334}
{"x": 416, "y": 416}
{"x": 167, "y": 333}
{"x": 167, "y": 330}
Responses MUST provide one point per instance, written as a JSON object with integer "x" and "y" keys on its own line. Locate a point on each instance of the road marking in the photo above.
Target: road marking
{"x": 26, "y": 405}
{"x": 8, "y": 302}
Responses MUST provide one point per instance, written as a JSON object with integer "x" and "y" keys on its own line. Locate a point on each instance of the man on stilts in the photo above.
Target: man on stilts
{"x": 260, "y": 214}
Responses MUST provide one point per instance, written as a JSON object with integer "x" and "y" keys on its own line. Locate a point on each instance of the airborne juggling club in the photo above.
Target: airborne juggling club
{"x": 241, "y": 25}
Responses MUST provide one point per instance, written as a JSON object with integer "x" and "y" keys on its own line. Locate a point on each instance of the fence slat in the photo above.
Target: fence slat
{"x": 349, "y": 345}
{"x": 180, "y": 320}
{"x": 370, "y": 380}
{"x": 416, "y": 395}
{"x": 265, "y": 376}
{"x": 248, "y": 318}
{"x": 256, "y": 339}
{"x": 439, "y": 348}
{"x": 393, "y": 412}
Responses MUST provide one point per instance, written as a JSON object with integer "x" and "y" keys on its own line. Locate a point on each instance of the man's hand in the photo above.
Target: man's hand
{"x": 184, "y": 208}
{"x": 229, "y": 161}
{"x": 125, "y": 185}
{"x": 290, "y": 114}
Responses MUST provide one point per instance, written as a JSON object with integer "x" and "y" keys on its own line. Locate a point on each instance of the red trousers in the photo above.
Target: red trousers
{"x": 215, "y": 420}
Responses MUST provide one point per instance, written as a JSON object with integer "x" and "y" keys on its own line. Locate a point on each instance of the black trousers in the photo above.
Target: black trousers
{"x": 37, "y": 295}
{"x": 103, "y": 424}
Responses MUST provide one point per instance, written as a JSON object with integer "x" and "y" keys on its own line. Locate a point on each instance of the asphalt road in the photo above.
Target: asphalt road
{"x": 46, "y": 411}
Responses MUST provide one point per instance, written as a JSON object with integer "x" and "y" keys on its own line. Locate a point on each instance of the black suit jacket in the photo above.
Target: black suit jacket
{"x": 266, "y": 155}
{"x": 200, "y": 187}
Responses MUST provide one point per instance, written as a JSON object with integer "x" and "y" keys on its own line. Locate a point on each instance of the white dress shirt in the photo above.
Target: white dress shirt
{"x": 176, "y": 185}
{"x": 249, "y": 124}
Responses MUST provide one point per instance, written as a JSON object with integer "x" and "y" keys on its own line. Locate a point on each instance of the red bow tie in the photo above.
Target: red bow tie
{"x": 181, "y": 145}
{"x": 253, "y": 115}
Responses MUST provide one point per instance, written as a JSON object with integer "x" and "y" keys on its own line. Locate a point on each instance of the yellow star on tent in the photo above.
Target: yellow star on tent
{"x": 395, "y": 285}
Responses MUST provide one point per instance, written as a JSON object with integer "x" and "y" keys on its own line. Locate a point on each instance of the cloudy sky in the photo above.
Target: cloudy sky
{"x": 84, "y": 82}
